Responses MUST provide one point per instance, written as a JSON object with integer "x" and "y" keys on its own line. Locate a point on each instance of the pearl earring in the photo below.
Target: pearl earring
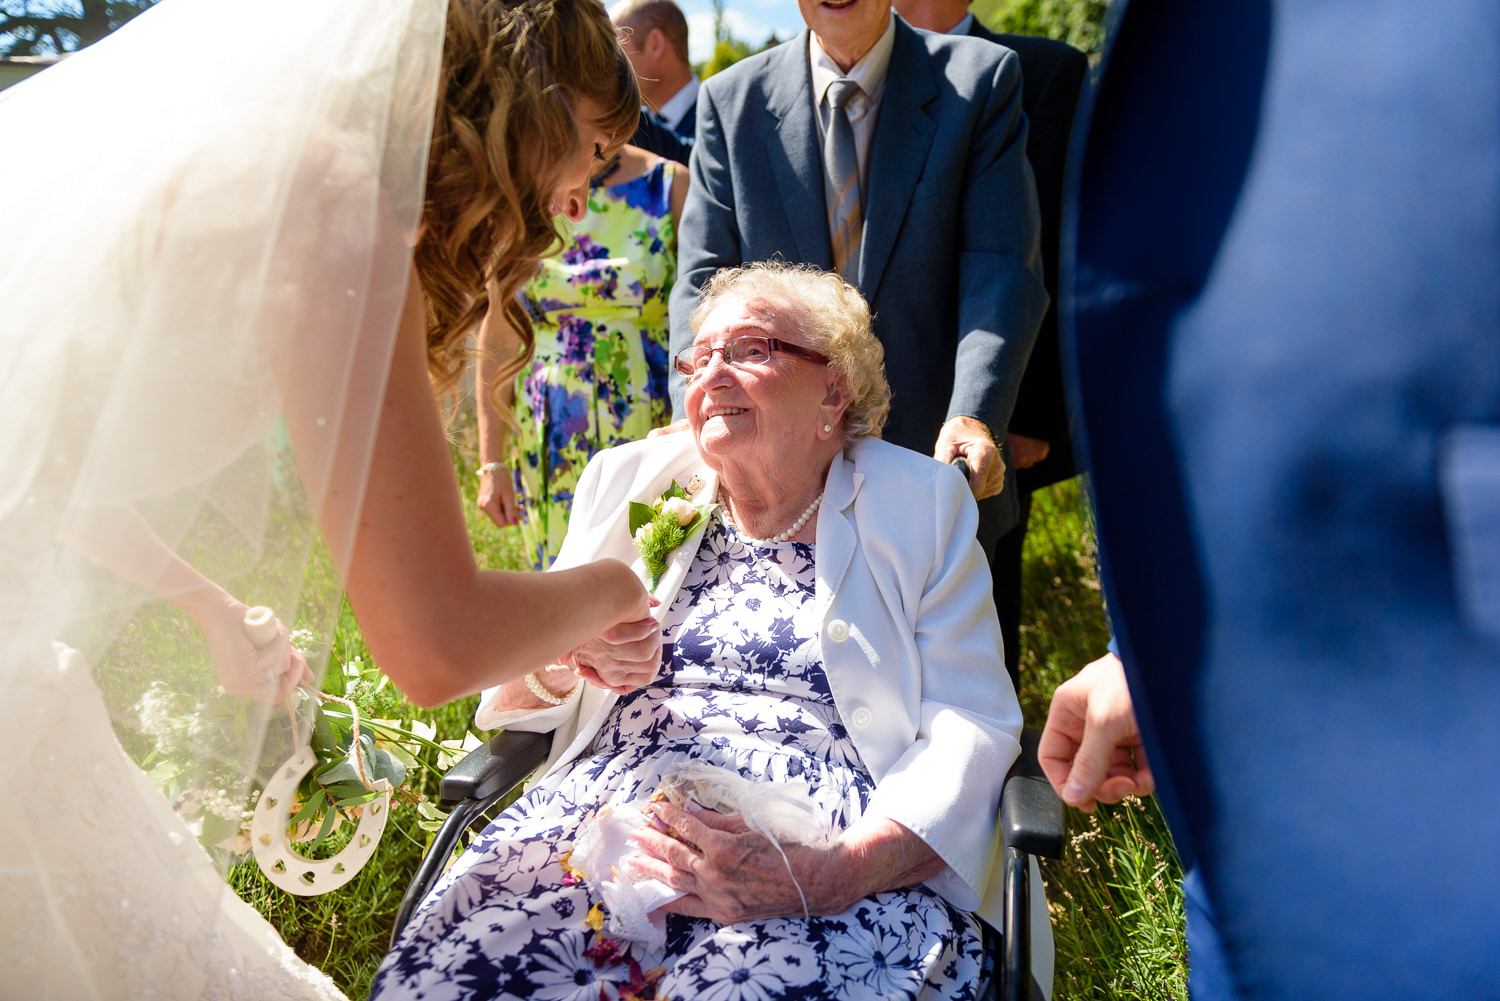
{"x": 827, "y": 427}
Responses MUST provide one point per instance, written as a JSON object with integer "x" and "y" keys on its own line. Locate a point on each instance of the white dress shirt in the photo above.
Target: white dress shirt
{"x": 863, "y": 109}
{"x": 677, "y": 105}
{"x": 962, "y": 27}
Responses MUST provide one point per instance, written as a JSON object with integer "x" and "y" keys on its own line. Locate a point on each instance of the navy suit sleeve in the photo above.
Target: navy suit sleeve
{"x": 1001, "y": 295}
{"x": 653, "y": 135}
{"x": 709, "y": 237}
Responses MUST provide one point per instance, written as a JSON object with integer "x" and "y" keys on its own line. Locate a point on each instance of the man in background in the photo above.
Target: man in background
{"x": 1052, "y": 76}
{"x": 655, "y": 38}
{"x": 897, "y": 158}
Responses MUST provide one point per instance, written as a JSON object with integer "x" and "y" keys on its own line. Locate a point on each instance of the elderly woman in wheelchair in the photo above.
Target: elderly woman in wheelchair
{"x": 827, "y": 634}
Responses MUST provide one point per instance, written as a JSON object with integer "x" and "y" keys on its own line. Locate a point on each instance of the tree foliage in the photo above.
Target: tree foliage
{"x": 46, "y": 27}
{"x": 1077, "y": 22}
{"x": 728, "y": 49}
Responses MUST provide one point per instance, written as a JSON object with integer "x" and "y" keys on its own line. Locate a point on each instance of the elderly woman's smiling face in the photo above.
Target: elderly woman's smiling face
{"x": 766, "y": 409}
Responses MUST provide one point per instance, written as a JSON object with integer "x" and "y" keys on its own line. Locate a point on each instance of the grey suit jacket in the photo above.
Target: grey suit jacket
{"x": 950, "y": 259}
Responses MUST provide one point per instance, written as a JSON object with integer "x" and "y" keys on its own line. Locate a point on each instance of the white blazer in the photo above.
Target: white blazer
{"x": 911, "y": 641}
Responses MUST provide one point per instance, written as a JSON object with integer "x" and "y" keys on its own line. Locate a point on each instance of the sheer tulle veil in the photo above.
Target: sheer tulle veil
{"x": 208, "y": 226}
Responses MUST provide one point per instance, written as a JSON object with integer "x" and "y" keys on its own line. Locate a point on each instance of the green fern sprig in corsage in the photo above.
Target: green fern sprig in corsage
{"x": 660, "y": 527}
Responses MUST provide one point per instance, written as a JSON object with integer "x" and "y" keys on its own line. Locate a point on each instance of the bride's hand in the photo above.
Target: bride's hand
{"x": 265, "y": 673}
{"x": 623, "y": 658}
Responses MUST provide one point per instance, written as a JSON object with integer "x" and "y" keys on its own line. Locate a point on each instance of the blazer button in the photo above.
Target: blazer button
{"x": 861, "y": 717}
{"x": 838, "y": 630}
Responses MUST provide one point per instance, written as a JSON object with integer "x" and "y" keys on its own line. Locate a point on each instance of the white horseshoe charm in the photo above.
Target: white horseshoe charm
{"x": 283, "y": 866}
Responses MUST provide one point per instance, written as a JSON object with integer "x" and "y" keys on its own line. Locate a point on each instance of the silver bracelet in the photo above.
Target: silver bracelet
{"x": 534, "y": 685}
{"x": 489, "y": 467}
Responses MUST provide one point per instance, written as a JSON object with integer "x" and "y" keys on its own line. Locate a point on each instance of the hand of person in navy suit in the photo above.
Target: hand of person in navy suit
{"x": 1091, "y": 748}
{"x": 968, "y": 437}
{"x": 1026, "y": 451}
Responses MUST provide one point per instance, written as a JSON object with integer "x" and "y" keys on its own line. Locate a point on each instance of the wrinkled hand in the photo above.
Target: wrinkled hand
{"x": 623, "y": 658}
{"x": 1091, "y": 748}
{"x": 969, "y": 438}
{"x": 730, "y": 874}
{"x": 263, "y": 674}
{"x": 497, "y": 497}
{"x": 1026, "y": 452}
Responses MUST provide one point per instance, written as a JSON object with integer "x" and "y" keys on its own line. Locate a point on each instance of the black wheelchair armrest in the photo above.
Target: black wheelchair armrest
{"x": 1032, "y": 818}
{"x": 1031, "y": 823}
{"x": 497, "y": 766}
{"x": 469, "y": 789}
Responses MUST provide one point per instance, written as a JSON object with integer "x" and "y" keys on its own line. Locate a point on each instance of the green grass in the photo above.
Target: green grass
{"x": 1116, "y": 907}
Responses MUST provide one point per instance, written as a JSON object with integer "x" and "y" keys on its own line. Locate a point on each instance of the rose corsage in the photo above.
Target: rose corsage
{"x": 660, "y": 527}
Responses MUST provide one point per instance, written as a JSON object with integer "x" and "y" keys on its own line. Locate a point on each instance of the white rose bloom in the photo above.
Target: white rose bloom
{"x": 640, "y": 534}
{"x": 680, "y": 509}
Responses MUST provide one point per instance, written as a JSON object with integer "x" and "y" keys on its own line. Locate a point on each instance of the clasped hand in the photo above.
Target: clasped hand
{"x": 729, "y": 873}
{"x": 623, "y": 658}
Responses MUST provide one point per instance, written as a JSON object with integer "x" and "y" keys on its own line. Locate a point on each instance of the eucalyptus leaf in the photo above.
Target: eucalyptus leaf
{"x": 330, "y": 819}
{"x": 325, "y": 739}
{"x": 347, "y": 794}
{"x": 310, "y": 808}
{"x": 166, "y": 772}
{"x": 343, "y": 770}
{"x": 384, "y": 765}
{"x": 217, "y": 828}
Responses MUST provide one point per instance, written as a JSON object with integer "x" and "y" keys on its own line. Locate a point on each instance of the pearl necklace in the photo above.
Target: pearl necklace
{"x": 784, "y": 536}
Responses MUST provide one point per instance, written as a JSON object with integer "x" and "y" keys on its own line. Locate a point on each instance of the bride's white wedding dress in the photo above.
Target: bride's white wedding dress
{"x": 107, "y": 894}
{"x": 205, "y": 232}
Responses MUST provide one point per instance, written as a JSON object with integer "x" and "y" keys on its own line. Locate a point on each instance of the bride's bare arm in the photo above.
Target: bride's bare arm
{"x": 436, "y": 623}
{"x": 118, "y": 539}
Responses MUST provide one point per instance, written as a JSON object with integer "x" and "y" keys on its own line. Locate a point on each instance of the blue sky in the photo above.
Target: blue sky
{"x": 751, "y": 20}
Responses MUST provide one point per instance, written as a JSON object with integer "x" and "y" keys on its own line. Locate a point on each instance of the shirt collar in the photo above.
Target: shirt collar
{"x": 962, "y": 27}
{"x": 676, "y": 106}
{"x": 869, "y": 72}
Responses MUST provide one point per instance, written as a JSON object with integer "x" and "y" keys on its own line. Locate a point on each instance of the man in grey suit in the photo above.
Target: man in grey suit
{"x": 1042, "y": 449}
{"x": 943, "y": 240}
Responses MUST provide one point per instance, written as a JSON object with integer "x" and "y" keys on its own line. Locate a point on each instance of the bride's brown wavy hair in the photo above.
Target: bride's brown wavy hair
{"x": 504, "y": 135}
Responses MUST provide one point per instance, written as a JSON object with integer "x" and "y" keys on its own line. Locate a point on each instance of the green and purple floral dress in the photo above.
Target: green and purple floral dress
{"x": 599, "y": 375}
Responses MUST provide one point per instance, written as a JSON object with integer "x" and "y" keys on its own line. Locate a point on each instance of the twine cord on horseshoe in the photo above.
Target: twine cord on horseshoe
{"x": 282, "y": 865}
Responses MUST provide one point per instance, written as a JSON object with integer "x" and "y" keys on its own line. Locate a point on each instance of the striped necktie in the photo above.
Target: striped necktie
{"x": 846, "y": 209}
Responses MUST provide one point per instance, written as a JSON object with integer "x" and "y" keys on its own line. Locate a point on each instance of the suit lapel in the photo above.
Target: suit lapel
{"x": 903, "y": 137}
{"x": 796, "y": 161}
{"x": 836, "y": 537}
{"x": 596, "y": 703}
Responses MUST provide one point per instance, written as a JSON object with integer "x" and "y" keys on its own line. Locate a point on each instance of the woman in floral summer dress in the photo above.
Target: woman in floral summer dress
{"x": 828, "y": 621}
{"x": 599, "y": 374}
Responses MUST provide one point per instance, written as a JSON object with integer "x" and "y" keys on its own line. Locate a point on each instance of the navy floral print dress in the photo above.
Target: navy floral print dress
{"x": 743, "y": 687}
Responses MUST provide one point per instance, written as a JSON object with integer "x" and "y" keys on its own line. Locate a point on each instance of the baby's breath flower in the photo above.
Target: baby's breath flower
{"x": 221, "y": 804}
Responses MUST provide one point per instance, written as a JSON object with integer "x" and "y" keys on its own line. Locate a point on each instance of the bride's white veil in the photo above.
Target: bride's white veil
{"x": 207, "y": 231}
